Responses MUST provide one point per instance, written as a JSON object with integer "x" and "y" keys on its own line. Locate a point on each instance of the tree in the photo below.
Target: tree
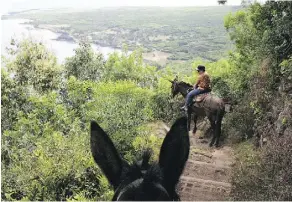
{"x": 14, "y": 98}
{"x": 263, "y": 31}
{"x": 35, "y": 66}
{"x": 223, "y": 2}
{"x": 85, "y": 64}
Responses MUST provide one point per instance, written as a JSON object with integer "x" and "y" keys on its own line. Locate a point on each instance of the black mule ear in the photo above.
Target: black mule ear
{"x": 174, "y": 153}
{"x": 105, "y": 154}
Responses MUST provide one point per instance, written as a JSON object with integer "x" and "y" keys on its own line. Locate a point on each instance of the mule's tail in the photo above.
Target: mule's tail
{"x": 189, "y": 118}
{"x": 219, "y": 116}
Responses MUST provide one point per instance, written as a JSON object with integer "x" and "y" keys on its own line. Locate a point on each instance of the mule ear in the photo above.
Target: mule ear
{"x": 105, "y": 154}
{"x": 174, "y": 153}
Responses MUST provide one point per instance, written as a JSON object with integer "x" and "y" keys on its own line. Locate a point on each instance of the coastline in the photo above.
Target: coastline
{"x": 59, "y": 35}
{"x": 63, "y": 36}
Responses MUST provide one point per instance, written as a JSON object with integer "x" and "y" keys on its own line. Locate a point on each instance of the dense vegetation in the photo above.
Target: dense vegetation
{"x": 179, "y": 33}
{"x": 46, "y": 109}
{"x": 262, "y": 35}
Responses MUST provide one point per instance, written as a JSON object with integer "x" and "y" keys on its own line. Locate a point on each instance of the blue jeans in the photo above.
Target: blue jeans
{"x": 194, "y": 93}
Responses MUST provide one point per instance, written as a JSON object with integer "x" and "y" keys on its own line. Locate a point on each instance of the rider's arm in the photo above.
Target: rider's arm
{"x": 199, "y": 80}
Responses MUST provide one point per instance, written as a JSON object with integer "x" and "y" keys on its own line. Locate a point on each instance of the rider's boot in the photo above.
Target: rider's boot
{"x": 186, "y": 107}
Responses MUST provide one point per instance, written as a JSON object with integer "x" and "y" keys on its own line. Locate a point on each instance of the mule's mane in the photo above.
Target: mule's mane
{"x": 145, "y": 158}
{"x": 153, "y": 173}
{"x": 185, "y": 84}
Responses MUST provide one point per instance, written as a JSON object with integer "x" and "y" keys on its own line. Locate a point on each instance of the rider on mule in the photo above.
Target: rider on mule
{"x": 202, "y": 86}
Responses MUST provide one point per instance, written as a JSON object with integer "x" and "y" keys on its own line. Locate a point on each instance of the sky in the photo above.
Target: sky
{"x": 16, "y": 5}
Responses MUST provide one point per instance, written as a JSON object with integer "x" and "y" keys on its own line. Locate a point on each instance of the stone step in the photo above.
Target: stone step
{"x": 206, "y": 182}
{"x": 222, "y": 156}
{"x": 200, "y": 143}
{"x": 201, "y": 157}
{"x": 191, "y": 188}
{"x": 207, "y": 171}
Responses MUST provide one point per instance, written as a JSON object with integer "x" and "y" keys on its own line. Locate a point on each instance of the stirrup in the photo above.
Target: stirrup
{"x": 185, "y": 108}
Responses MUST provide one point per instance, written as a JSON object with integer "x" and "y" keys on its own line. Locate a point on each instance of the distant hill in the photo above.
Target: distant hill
{"x": 180, "y": 33}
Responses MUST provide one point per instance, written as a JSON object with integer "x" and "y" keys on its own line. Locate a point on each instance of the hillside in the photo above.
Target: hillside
{"x": 165, "y": 33}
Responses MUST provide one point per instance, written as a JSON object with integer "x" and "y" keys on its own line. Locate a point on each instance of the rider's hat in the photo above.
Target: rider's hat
{"x": 201, "y": 68}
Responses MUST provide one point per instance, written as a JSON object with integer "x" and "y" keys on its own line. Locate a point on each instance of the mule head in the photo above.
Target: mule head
{"x": 142, "y": 181}
{"x": 174, "y": 87}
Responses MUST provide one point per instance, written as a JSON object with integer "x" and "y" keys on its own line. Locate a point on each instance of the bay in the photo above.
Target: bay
{"x": 18, "y": 29}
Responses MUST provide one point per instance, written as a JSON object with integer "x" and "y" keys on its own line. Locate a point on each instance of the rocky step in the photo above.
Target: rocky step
{"x": 197, "y": 156}
{"x": 202, "y": 143}
{"x": 207, "y": 171}
{"x": 222, "y": 156}
{"x": 191, "y": 188}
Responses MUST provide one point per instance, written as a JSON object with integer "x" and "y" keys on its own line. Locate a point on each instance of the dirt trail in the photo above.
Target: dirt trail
{"x": 207, "y": 173}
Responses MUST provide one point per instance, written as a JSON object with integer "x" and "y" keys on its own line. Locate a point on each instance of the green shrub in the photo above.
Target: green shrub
{"x": 120, "y": 107}
{"x": 147, "y": 139}
{"x": 264, "y": 175}
{"x": 54, "y": 167}
{"x": 164, "y": 106}
{"x": 131, "y": 68}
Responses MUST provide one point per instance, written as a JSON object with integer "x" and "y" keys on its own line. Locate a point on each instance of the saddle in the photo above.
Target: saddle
{"x": 201, "y": 97}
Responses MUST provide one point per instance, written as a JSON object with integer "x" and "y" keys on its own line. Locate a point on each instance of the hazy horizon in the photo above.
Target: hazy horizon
{"x": 19, "y": 5}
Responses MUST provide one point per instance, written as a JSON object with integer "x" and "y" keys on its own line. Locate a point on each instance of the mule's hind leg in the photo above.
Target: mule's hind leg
{"x": 218, "y": 128}
{"x": 213, "y": 140}
{"x": 213, "y": 126}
